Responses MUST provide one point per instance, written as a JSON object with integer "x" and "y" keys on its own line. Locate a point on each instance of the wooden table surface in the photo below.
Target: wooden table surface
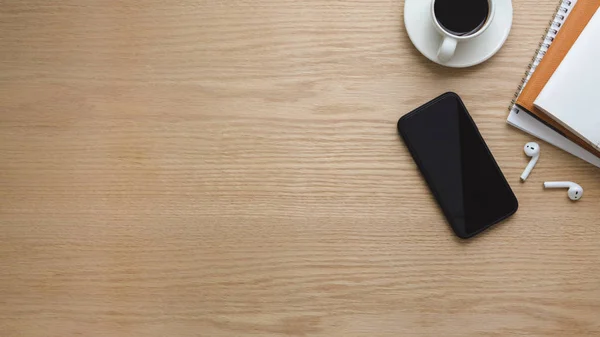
{"x": 232, "y": 168}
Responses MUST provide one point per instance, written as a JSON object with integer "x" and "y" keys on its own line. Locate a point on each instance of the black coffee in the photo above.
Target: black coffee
{"x": 461, "y": 17}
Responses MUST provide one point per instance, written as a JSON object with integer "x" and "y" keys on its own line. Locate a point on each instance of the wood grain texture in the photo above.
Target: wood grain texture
{"x": 232, "y": 168}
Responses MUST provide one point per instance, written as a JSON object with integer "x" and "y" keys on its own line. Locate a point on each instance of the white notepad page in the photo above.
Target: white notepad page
{"x": 572, "y": 94}
{"x": 526, "y": 123}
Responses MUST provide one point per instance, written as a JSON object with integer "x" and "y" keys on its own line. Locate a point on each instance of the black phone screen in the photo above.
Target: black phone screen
{"x": 457, "y": 165}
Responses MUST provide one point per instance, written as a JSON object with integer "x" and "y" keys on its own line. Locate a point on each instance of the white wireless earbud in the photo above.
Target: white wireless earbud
{"x": 575, "y": 191}
{"x": 532, "y": 150}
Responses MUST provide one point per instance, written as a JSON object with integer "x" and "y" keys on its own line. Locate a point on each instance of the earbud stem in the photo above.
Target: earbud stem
{"x": 529, "y": 168}
{"x": 558, "y": 184}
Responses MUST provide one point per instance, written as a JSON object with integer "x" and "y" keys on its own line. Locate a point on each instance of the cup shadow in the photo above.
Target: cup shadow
{"x": 441, "y": 70}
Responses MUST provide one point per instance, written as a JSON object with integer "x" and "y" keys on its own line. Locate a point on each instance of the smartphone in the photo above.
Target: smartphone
{"x": 457, "y": 165}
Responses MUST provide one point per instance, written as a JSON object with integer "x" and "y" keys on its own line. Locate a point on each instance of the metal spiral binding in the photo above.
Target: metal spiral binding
{"x": 556, "y": 22}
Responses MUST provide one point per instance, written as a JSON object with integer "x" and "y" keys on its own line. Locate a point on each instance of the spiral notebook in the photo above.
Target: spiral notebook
{"x": 579, "y": 17}
{"x": 520, "y": 119}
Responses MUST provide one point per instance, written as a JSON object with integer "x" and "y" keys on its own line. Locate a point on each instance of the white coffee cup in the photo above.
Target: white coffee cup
{"x": 450, "y": 41}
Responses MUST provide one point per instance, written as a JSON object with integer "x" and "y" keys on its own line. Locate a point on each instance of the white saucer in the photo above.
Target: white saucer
{"x": 419, "y": 25}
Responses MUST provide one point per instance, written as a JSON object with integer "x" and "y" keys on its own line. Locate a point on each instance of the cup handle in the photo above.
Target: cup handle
{"x": 447, "y": 49}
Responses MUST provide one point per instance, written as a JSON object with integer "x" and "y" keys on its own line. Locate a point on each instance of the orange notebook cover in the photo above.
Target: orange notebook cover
{"x": 578, "y": 18}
